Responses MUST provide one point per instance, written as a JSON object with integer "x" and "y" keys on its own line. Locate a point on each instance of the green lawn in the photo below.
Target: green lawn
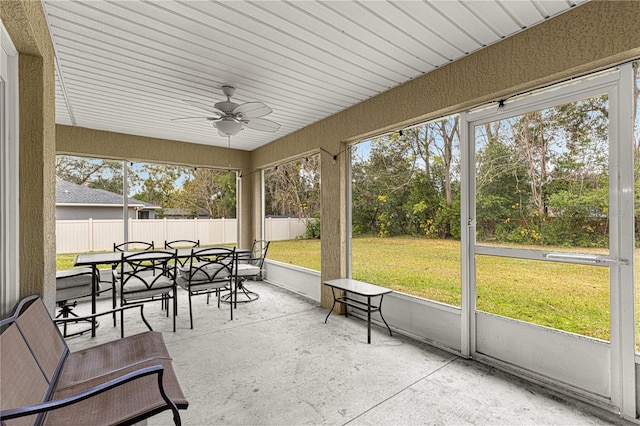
{"x": 572, "y": 298}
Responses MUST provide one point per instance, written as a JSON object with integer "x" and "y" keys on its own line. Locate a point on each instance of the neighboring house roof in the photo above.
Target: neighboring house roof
{"x": 68, "y": 194}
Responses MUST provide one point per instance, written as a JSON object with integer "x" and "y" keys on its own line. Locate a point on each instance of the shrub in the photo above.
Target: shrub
{"x": 313, "y": 228}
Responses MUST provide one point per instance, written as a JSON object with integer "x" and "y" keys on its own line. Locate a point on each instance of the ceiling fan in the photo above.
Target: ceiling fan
{"x": 229, "y": 117}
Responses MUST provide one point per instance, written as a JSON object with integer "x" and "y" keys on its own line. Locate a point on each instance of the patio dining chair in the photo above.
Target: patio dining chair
{"x": 72, "y": 285}
{"x": 147, "y": 276}
{"x": 250, "y": 266}
{"x": 176, "y": 244}
{"x": 181, "y": 244}
{"x": 208, "y": 270}
{"x": 133, "y": 245}
{"x": 127, "y": 246}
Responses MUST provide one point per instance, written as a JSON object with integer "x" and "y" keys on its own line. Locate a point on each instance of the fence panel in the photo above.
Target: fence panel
{"x": 76, "y": 236}
{"x": 80, "y": 236}
{"x": 147, "y": 230}
{"x": 284, "y": 228}
{"x": 105, "y": 233}
{"x": 181, "y": 229}
{"x": 297, "y": 227}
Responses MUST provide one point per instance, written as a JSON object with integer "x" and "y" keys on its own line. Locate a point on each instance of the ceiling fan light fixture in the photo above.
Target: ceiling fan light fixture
{"x": 228, "y": 126}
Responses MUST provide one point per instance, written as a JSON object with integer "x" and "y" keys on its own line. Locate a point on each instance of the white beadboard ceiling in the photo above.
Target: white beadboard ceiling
{"x": 129, "y": 66}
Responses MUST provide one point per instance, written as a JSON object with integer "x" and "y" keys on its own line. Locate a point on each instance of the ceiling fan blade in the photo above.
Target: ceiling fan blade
{"x": 194, "y": 119}
{"x": 261, "y": 124}
{"x": 205, "y": 107}
{"x": 252, "y": 110}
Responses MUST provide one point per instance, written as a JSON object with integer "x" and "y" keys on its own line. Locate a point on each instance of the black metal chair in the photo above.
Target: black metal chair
{"x": 176, "y": 244}
{"x": 133, "y": 245}
{"x": 144, "y": 276}
{"x": 250, "y": 267}
{"x": 208, "y": 270}
{"x": 125, "y": 247}
{"x": 71, "y": 285}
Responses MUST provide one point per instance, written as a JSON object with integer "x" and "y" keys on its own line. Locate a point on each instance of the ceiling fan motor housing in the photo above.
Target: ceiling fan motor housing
{"x": 226, "y": 106}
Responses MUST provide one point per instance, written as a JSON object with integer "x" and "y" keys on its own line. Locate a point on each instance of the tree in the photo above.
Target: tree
{"x": 208, "y": 190}
{"x": 449, "y": 131}
{"x": 93, "y": 173}
{"x": 293, "y": 189}
{"x": 161, "y": 184}
{"x": 381, "y": 187}
{"x": 501, "y": 184}
{"x": 556, "y": 161}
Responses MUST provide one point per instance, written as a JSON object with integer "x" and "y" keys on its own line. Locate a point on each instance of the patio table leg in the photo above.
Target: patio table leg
{"x": 334, "y": 304}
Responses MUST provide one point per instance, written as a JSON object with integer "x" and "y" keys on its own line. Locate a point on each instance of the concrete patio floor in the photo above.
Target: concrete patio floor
{"x": 277, "y": 363}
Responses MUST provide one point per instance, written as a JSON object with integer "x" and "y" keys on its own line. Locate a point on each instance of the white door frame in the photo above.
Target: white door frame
{"x": 618, "y": 85}
{"x": 9, "y": 175}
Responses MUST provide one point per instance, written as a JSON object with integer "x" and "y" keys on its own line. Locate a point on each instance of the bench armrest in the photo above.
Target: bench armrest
{"x": 111, "y": 311}
{"x": 90, "y": 393}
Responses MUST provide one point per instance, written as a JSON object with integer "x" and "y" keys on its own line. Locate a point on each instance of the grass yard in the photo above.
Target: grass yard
{"x": 573, "y": 298}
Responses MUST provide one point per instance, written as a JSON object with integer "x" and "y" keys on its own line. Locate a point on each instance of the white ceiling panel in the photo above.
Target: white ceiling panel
{"x": 130, "y": 66}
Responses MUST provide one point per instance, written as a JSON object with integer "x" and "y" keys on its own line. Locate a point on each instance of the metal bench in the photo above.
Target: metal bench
{"x": 116, "y": 383}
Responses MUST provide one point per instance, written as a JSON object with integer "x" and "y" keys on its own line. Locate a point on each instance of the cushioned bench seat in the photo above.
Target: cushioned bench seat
{"x": 124, "y": 381}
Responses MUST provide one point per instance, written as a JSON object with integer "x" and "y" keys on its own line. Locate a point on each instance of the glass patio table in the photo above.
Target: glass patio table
{"x": 111, "y": 258}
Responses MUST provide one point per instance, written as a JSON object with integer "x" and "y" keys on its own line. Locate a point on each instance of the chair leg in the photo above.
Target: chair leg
{"x": 249, "y": 296}
{"x": 175, "y": 309}
{"x": 190, "y": 311}
{"x": 113, "y": 295}
{"x": 122, "y": 324}
{"x": 66, "y": 312}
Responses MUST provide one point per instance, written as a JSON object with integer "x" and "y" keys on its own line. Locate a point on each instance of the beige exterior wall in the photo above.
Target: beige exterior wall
{"x": 100, "y": 213}
{"x": 593, "y": 36}
{"x": 119, "y": 146}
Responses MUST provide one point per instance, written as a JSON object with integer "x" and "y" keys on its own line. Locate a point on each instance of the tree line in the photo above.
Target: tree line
{"x": 291, "y": 189}
{"x": 193, "y": 191}
{"x": 540, "y": 178}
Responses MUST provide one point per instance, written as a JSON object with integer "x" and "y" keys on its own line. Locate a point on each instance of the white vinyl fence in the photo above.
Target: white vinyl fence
{"x": 79, "y": 236}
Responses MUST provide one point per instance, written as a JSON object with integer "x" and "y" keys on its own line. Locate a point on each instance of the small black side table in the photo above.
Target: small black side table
{"x": 361, "y": 289}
